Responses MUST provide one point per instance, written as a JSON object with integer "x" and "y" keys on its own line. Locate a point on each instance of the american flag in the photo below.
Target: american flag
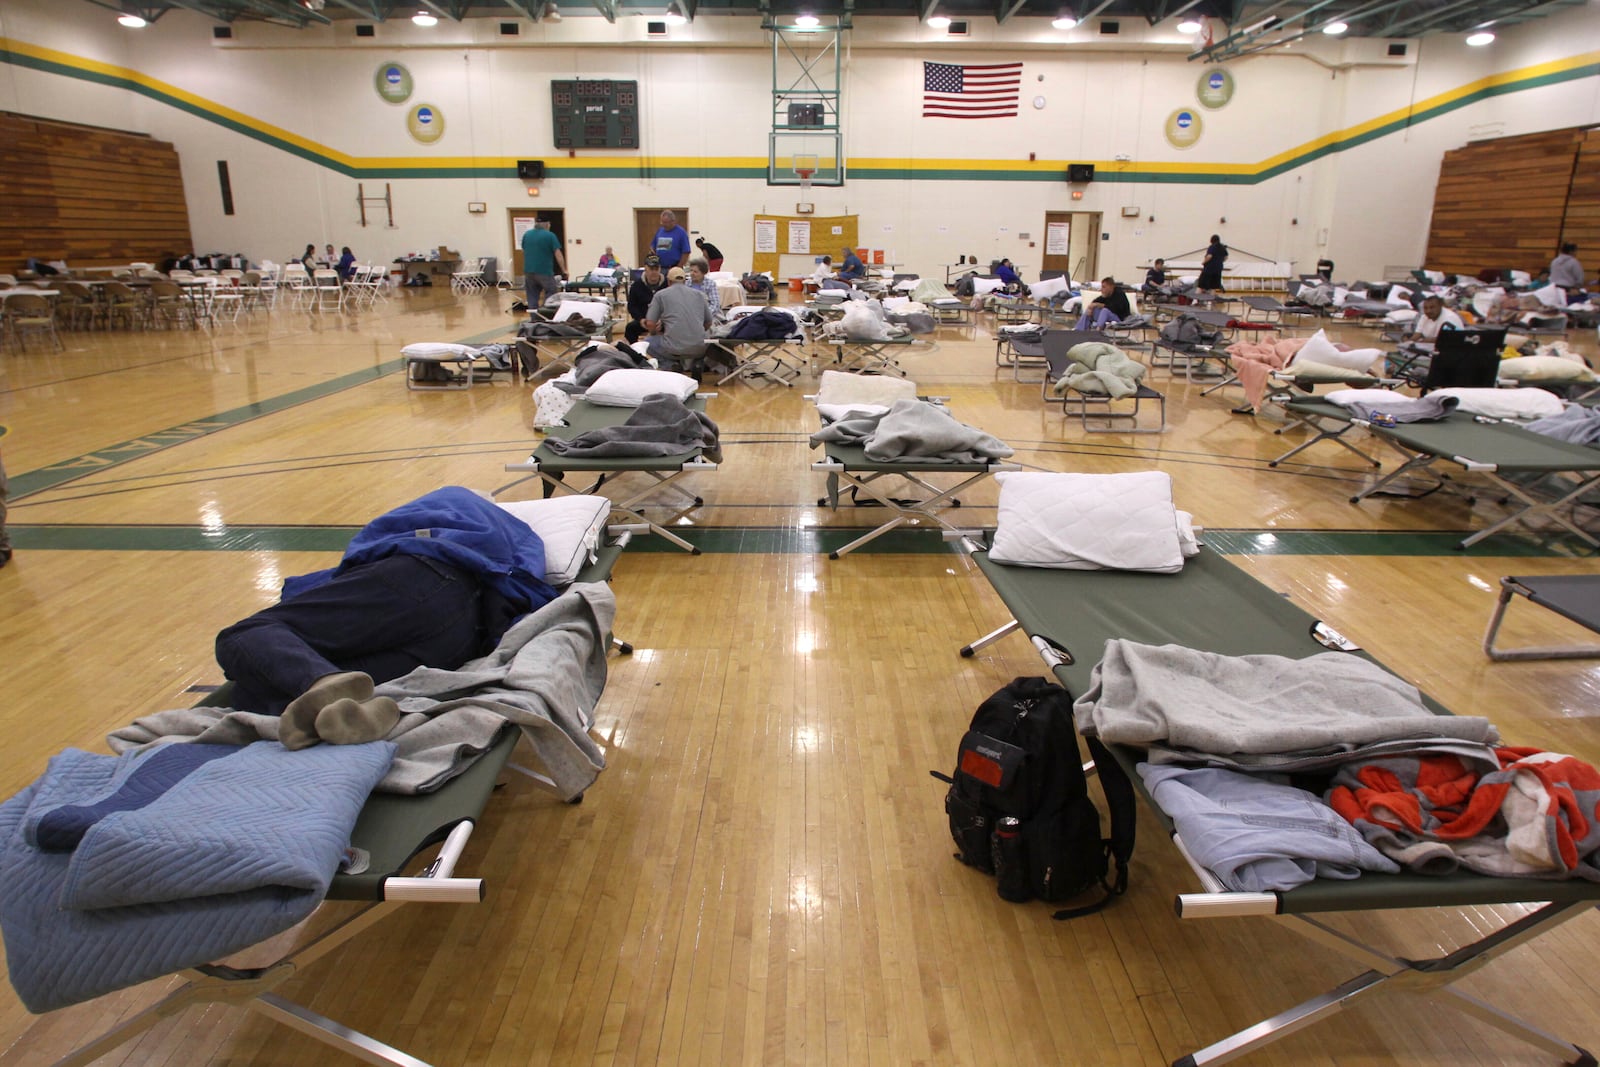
{"x": 970, "y": 90}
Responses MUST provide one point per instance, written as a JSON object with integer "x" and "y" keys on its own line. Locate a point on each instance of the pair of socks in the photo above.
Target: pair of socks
{"x": 339, "y": 709}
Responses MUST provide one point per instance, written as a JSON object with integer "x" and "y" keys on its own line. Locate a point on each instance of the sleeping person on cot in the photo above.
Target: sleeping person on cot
{"x": 435, "y": 583}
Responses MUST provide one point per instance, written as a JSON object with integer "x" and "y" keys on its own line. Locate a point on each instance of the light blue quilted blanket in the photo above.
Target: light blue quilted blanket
{"x": 118, "y": 869}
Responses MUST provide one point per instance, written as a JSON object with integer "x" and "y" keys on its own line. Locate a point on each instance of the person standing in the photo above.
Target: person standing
{"x": 5, "y": 538}
{"x": 650, "y": 281}
{"x": 541, "y": 256}
{"x": 677, "y": 319}
{"x": 712, "y": 253}
{"x": 1211, "y": 267}
{"x": 1566, "y": 273}
{"x": 671, "y": 242}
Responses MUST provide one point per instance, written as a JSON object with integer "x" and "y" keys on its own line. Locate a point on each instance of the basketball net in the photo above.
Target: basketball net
{"x": 805, "y": 180}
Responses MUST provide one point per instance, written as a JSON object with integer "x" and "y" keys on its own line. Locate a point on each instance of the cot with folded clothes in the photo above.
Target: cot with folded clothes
{"x": 180, "y": 858}
{"x": 775, "y": 350}
{"x": 1088, "y": 625}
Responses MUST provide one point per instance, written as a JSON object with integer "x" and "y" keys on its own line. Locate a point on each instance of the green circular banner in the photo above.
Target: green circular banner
{"x": 425, "y": 123}
{"x": 393, "y": 83}
{"x": 1183, "y": 128}
{"x": 1214, "y": 89}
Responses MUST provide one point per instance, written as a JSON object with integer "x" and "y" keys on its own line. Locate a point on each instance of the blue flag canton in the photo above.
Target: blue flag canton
{"x": 941, "y": 78}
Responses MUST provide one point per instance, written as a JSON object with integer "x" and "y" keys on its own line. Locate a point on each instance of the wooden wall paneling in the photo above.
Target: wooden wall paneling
{"x": 1581, "y": 224}
{"x": 88, "y": 195}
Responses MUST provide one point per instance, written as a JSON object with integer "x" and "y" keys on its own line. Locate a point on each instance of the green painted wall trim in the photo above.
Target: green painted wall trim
{"x": 771, "y": 540}
{"x": 859, "y": 173}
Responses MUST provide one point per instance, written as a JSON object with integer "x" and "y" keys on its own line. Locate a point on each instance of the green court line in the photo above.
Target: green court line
{"x": 775, "y": 540}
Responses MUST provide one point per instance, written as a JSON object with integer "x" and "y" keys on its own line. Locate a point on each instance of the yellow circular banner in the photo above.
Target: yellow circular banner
{"x": 1183, "y": 128}
{"x": 393, "y": 82}
{"x": 425, "y": 123}
{"x": 1214, "y": 89}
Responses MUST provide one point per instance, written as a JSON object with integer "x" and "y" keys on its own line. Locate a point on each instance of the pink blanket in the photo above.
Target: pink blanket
{"x": 1254, "y": 361}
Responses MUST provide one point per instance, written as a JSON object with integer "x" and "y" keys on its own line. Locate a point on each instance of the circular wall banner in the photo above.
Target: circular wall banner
{"x": 393, "y": 82}
{"x": 425, "y": 123}
{"x": 1183, "y": 128}
{"x": 1214, "y": 89}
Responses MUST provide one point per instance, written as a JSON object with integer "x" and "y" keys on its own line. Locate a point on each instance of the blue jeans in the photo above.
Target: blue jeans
{"x": 385, "y": 618}
{"x": 1098, "y": 319}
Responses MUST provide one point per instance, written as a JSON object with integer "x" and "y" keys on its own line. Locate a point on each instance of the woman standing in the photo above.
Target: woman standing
{"x": 1211, "y": 267}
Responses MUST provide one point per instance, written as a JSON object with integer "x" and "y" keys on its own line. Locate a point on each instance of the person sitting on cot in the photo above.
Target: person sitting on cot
{"x": 435, "y": 582}
{"x": 1110, "y": 306}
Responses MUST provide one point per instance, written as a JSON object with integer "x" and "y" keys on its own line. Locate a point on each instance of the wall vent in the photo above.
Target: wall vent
{"x": 1397, "y": 48}
{"x": 958, "y": 28}
{"x": 366, "y": 29}
{"x": 1108, "y": 28}
{"x": 222, "y": 33}
{"x": 655, "y": 29}
{"x": 510, "y": 29}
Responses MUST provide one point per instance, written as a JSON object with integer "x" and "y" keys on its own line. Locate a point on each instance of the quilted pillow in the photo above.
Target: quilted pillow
{"x": 592, "y": 310}
{"x": 438, "y": 350}
{"x": 838, "y": 387}
{"x": 1088, "y": 522}
{"x": 1318, "y": 349}
{"x": 1545, "y": 369}
{"x": 569, "y": 526}
{"x": 627, "y": 386}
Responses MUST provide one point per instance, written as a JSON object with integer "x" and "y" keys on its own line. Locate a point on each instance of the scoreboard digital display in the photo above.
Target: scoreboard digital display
{"x": 595, "y": 114}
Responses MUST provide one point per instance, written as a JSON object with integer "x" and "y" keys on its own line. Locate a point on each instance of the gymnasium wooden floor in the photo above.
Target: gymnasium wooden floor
{"x": 763, "y": 874}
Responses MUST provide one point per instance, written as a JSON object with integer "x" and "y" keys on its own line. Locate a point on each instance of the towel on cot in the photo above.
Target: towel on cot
{"x": 1208, "y": 703}
{"x": 661, "y": 425}
{"x": 163, "y": 859}
{"x": 546, "y": 676}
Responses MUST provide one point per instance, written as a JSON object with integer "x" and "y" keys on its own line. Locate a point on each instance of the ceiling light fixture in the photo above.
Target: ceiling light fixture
{"x": 674, "y": 15}
{"x": 133, "y": 22}
{"x": 1334, "y": 29}
{"x": 1190, "y": 26}
{"x": 1064, "y": 21}
{"x": 807, "y": 21}
{"x": 1481, "y": 38}
{"x": 423, "y": 19}
{"x": 939, "y": 22}
{"x": 552, "y": 13}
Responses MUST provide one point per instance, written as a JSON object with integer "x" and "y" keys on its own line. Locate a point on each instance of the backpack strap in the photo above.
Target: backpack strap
{"x": 1121, "y": 806}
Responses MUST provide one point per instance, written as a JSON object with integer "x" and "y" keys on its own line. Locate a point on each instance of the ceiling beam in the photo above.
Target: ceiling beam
{"x": 1087, "y": 15}
{"x": 1344, "y": 16}
{"x": 370, "y": 11}
{"x": 688, "y": 8}
{"x": 1008, "y": 8}
{"x": 608, "y": 8}
{"x": 925, "y": 8}
{"x": 527, "y": 12}
{"x": 1428, "y": 20}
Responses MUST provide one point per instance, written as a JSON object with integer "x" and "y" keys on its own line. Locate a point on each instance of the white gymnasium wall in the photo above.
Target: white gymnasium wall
{"x": 706, "y": 95}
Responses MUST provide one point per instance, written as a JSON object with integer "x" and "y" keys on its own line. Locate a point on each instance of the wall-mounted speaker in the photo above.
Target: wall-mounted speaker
{"x": 530, "y": 170}
{"x": 1080, "y": 172}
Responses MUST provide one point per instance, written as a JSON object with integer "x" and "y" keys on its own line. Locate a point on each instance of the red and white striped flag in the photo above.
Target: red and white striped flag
{"x": 970, "y": 90}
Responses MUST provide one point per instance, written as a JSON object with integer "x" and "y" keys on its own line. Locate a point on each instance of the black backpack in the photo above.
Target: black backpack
{"x": 1019, "y": 759}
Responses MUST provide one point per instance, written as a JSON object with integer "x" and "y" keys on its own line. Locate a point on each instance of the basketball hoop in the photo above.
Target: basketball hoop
{"x": 805, "y": 179}
{"x": 805, "y": 168}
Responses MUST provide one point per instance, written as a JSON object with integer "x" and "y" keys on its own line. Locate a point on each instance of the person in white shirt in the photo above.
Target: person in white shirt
{"x": 824, "y": 269}
{"x": 1433, "y": 318}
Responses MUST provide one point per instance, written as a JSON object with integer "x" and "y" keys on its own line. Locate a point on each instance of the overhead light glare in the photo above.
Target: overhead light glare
{"x": 1481, "y": 38}
{"x": 552, "y": 13}
{"x": 133, "y": 22}
{"x": 1190, "y": 26}
{"x": 939, "y": 22}
{"x": 1065, "y": 22}
{"x": 674, "y": 16}
{"x": 423, "y": 19}
{"x": 807, "y": 22}
{"x": 1334, "y": 29}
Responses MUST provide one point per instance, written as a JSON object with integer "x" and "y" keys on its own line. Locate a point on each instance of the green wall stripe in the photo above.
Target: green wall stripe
{"x": 860, "y": 173}
{"x": 770, "y": 540}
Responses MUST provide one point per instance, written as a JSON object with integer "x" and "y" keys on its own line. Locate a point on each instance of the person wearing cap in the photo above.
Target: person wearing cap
{"x": 677, "y": 319}
{"x": 671, "y": 242}
{"x": 644, "y": 288}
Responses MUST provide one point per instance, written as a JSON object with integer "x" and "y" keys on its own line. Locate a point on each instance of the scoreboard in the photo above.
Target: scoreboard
{"x": 595, "y": 114}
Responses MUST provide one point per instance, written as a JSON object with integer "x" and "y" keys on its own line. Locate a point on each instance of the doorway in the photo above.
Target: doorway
{"x": 646, "y": 221}
{"x": 1072, "y": 243}
{"x": 520, "y": 220}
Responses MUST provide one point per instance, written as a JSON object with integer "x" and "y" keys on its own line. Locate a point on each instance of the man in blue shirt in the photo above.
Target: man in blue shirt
{"x": 671, "y": 242}
{"x": 852, "y": 267}
{"x": 541, "y": 255}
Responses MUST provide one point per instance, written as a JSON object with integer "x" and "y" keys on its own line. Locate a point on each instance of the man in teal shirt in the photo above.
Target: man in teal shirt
{"x": 541, "y": 256}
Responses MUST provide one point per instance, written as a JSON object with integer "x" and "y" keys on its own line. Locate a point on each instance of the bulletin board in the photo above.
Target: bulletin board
{"x": 776, "y": 236}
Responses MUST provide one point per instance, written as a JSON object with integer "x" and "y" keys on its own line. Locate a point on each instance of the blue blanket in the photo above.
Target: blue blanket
{"x": 118, "y": 869}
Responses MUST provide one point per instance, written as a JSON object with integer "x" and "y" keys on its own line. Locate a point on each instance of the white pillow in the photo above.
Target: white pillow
{"x": 835, "y": 412}
{"x": 1551, "y": 296}
{"x": 1505, "y": 403}
{"x": 1545, "y": 369}
{"x": 982, "y": 286}
{"x": 1048, "y": 288}
{"x": 592, "y": 310}
{"x": 438, "y": 350}
{"x": 1088, "y": 521}
{"x": 1312, "y": 371}
{"x": 1318, "y": 349}
{"x": 608, "y": 273}
{"x": 627, "y": 386}
{"x": 839, "y": 387}
{"x": 569, "y": 526}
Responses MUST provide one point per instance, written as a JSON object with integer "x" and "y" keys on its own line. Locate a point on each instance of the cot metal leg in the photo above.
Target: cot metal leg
{"x": 354, "y": 1042}
{"x": 1412, "y": 463}
{"x": 989, "y": 638}
{"x": 1509, "y": 588}
{"x": 1323, "y": 434}
{"x": 1535, "y": 507}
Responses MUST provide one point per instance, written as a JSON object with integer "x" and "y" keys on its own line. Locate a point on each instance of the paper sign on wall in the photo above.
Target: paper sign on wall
{"x": 799, "y": 237}
{"x": 521, "y": 225}
{"x": 1057, "y": 238}
{"x": 837, "y": 230}
{"x": 766, "y": 236}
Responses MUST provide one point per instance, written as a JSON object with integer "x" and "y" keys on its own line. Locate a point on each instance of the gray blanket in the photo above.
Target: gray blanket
{"x": 222, "y": 856}
{"x": 1206, "y": 703}
{"x": 914, "y": 431}
{"x": 661, "y": 425}
{"x": 546, "y": 675}
{"x": 1430, "y": 408}
{"x": 1578, "y": 424}
{"x": 596, "y": 360}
